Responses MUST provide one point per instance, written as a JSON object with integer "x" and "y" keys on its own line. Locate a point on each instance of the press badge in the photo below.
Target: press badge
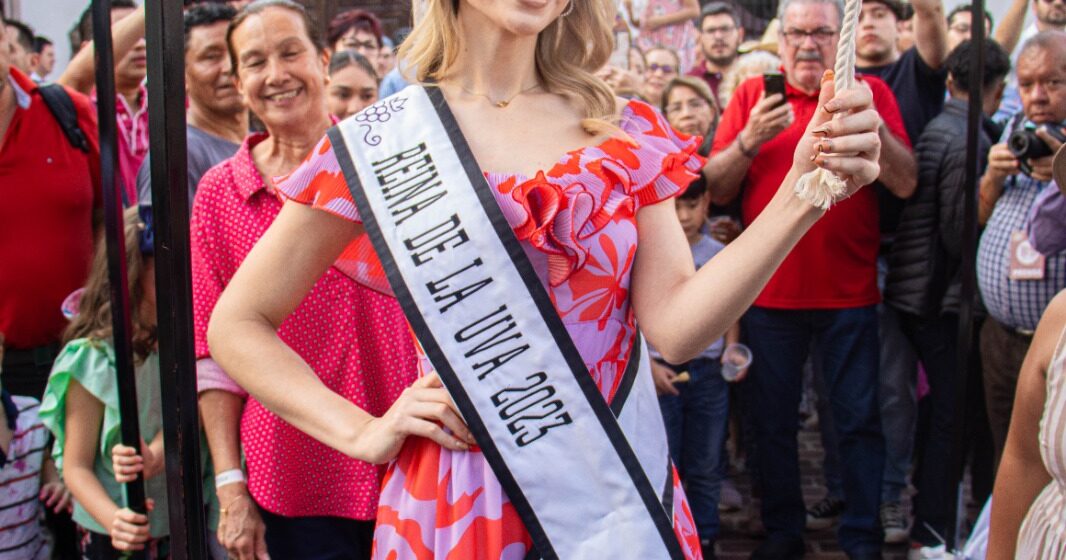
{"x": 1026, "y": 263}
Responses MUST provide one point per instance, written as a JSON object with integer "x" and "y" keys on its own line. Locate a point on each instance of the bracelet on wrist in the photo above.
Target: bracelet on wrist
{"x": 232, "y": 476}
{"x": 744, "y": 150}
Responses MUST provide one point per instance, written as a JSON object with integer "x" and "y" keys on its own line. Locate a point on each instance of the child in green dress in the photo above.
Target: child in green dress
{"x": 80, "y": 407}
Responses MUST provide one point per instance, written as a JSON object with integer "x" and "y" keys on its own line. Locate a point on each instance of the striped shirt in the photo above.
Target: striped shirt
{"x": 21, "y": 535}
{"x": 1015, "y": 303}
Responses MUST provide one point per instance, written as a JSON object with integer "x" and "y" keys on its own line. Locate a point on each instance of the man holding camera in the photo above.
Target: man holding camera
{"x": 825, "y": 291}
{"x": 1015, "y": 280}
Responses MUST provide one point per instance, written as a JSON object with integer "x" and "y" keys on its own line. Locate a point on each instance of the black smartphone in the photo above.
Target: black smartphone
{"x": 774, "y": 82}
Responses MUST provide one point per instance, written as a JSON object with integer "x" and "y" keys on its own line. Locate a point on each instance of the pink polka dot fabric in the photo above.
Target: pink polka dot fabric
{"x": 355, "y": 339}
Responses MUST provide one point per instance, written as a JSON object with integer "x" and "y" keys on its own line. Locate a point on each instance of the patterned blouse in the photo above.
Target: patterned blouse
{"x": 355, "y": 340}
{"x": 577, "y": 223}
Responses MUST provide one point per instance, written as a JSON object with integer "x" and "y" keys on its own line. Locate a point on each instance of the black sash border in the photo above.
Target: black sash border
{"x": 629, "y": 376}
{"x": 604, "y": 413}
{"x": 434, "y": 352}
{"x": 555, "y": 325}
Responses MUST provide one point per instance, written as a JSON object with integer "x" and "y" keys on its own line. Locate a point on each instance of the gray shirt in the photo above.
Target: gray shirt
{"x": 702, "y": 251}
{"x": 204, "y": 150}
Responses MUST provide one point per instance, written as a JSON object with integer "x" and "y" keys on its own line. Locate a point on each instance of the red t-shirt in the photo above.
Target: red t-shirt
{"x": 834, "y": 266}
{"x": 49, "y": 190}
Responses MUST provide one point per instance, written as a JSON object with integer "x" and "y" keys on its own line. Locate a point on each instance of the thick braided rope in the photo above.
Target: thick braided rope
{"x": 821, "y": 187}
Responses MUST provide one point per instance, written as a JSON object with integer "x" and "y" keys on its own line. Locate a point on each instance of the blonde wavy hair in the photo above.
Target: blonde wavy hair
{"x": 568, "y": 52}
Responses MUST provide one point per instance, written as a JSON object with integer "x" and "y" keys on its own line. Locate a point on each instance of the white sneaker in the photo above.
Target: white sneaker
{"x": 894, "y": 523}
{"x": 938, "y": 552}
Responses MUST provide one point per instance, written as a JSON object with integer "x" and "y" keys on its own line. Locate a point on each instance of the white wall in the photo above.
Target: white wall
{"x": 52, "y": 19}
{"x": 995, "y": 7}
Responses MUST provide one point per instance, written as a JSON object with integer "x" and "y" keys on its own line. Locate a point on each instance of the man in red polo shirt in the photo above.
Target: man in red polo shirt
{"x": 49, "y": 190}
{"x": 825, "y": 291}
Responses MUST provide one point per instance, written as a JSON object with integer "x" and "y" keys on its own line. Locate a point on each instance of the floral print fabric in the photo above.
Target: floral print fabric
{"x": 577, "y": 223}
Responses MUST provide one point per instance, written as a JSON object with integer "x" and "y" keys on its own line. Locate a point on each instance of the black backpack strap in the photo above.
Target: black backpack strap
{"x": 62, "y": 107}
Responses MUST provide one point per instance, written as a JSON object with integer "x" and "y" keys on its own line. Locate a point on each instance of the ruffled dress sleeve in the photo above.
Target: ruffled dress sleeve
{"x": 91, "y": 364}
{"x": 664, "y": 162}
{"x": 319, "y": 183}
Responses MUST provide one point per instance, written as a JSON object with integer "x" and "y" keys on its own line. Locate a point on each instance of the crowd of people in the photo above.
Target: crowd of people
{"x": 310, "y": 382}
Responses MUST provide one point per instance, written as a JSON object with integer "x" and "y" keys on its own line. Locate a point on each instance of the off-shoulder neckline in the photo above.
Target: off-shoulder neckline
{"x": 500, "y": 176}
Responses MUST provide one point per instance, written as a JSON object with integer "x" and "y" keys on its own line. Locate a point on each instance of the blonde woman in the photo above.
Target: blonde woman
{"x": 581, "y": 179}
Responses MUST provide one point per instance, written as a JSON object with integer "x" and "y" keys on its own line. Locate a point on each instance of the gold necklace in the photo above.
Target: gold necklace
{"x": 502, "y": 104}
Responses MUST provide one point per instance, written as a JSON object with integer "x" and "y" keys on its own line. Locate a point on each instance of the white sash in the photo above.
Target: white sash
{"x": 489, "y": 328}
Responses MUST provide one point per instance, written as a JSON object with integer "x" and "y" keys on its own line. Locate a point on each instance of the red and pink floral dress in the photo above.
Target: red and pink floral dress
{"x": 577, "y": 223}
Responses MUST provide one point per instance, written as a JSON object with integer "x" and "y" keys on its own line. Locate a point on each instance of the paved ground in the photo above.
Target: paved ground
{"x": 739, "y": 533}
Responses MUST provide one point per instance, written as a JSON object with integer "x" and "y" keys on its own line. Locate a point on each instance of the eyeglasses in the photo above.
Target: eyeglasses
{"x": 723, "y": 30}
{"x": 359, "y": 45}
{"x": 820, "y": 36}
{"x": 1050, "y": 85}
{"x": 664, "y": 68}
{"x": 693, "y": 104}
{"x": 961, "y": 28}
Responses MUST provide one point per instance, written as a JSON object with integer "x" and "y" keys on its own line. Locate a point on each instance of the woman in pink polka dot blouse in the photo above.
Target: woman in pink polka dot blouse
{"x": 301, "y": 495}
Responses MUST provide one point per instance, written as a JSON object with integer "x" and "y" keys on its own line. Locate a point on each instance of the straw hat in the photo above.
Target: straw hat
{"x": 768, "y": 41}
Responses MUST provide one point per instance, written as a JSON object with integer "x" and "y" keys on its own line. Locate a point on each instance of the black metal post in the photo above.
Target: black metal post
{"x": 114, "y": 233}
{"x": 969, "y": 261}
{"x": 170, "y": 206}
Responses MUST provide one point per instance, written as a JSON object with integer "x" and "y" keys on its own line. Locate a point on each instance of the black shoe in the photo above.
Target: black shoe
{"x": 707, "y": 546}
{"x": 871, "y": 555}
{"x": 780, "y": 547}
{"x": 824, "y": 514}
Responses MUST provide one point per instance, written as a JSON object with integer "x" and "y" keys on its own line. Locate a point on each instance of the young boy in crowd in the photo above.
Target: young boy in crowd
{"x": 694, "y": 396}
{"x": 28, "y": 478}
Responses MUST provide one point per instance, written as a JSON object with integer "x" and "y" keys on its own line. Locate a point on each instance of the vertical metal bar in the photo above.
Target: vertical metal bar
{"x": 115, "y": 236}
{"x": 170, "y": 206}
{"x": 969, "y": 260}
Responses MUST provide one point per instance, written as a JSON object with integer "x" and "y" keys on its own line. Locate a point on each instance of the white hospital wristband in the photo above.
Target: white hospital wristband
{"x": 226, "y": 478}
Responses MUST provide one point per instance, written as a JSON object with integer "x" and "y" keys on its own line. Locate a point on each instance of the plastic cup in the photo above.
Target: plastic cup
{"x": 735, "y": 359}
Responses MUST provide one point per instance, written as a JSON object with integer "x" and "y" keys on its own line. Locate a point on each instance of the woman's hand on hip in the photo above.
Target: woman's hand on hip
{"x": 424, "y": 409}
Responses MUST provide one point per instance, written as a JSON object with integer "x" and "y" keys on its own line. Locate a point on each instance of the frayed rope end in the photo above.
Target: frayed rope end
{"x": 821, "y": 188}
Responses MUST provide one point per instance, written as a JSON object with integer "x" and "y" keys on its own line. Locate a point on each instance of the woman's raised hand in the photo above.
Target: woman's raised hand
{"x": 424, "y": 409}
{"x": 849, "y": 145}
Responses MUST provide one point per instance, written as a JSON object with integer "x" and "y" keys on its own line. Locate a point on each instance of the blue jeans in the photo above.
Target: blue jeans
{"x": 899, "y": 410}
{"x": 848, "y": 351}
{"x": 696, "y": 424}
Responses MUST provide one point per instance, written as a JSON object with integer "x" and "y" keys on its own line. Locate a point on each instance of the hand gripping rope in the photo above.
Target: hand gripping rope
{"x": 822, "y": 187}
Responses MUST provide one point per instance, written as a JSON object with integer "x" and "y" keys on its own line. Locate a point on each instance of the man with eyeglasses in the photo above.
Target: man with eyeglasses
{"x": 960, "y": 25}
{"x": 720, "y": 35}
{"x": 1016, "y": 282}
{"x": 824, "y": 292}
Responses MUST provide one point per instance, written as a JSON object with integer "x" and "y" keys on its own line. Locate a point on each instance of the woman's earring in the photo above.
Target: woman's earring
{"x": 569, "y": 9}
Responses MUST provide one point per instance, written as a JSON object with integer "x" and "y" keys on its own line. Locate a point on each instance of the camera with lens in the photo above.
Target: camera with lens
{"x": 1025, "y": 144}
